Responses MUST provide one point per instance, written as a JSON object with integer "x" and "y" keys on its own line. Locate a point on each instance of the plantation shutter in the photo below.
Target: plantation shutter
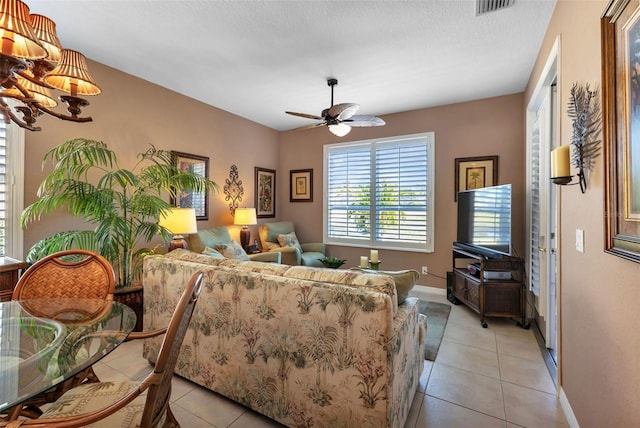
{"x": 534, "y": 268}
{"x": 3, "y": 187}
{"x": 348, "y": 194}
{"x": 401, "y": 190}
{"x": 379, "y": 193}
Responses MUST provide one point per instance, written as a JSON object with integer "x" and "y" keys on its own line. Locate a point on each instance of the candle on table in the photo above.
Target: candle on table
{"x": 374, "y": 256}
{"x": 560, "y": 161}
{"x": 363, "y": 261}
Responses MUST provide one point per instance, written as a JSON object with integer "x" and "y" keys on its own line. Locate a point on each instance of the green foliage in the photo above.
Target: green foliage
{"x": 124, "y": 205}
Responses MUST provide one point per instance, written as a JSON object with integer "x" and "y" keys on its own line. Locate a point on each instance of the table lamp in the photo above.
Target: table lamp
{"x": 179, "y": 221}
{"x": 245, "y": 217}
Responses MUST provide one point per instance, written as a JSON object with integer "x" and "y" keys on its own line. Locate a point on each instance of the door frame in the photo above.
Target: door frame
{"x": 549, "y": 74}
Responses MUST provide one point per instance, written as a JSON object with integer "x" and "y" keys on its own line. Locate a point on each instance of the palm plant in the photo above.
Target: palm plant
{"x": 124, "y": 205}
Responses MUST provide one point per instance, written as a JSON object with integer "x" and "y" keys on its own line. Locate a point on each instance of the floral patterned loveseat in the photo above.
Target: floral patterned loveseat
{"x": 304, "y": 346}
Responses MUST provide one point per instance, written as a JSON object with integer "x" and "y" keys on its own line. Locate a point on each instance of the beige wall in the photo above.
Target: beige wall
{"x": 493, "y": 126}
{"x": 129, "y": 115}
{"x": 600, "y": 341}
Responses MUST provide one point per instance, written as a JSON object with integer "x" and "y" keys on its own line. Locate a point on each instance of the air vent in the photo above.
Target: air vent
{"x": 486, "y": 6}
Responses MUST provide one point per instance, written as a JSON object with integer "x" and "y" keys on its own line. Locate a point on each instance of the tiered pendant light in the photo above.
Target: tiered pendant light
{"x": 32, "y": 61}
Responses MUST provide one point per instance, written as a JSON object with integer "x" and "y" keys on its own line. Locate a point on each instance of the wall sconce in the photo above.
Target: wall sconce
{"x": 584, "y": 110}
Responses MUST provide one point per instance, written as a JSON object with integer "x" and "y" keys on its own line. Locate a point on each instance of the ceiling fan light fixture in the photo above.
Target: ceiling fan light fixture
{"x": 340, "y": 129}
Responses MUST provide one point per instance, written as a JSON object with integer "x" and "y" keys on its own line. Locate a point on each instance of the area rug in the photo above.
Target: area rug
{"x": 437, "y": 316}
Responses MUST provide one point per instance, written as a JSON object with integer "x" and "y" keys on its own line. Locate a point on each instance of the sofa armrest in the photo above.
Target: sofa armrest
{"x": 289, "y": 255}
{"x": 268, "y": 257}
{"x": 314, "y": 247}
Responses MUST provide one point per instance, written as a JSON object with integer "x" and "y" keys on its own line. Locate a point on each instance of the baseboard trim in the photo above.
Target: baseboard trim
{"x": 568, "y": 411}
{"x": 435, "y": 290}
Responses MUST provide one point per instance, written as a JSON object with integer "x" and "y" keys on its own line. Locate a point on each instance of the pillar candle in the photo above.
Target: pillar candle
{"x": 374, "y": 256}
{"x": 560, "y": 161}
{"x": 363, "y": 261}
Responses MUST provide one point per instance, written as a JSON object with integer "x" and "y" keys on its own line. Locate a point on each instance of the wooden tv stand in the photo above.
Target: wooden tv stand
{"x": 489, "y": 297}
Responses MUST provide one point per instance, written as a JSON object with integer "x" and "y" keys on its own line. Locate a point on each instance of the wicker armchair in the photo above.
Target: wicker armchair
{"x": 126, "y": 403}
{"x": 71, "y": 273}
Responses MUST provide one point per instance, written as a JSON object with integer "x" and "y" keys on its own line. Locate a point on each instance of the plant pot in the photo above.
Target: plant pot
{"x": 133, "y": 297}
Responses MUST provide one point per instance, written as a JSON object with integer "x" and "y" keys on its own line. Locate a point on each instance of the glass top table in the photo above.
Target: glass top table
{"x": 46, "y": 341}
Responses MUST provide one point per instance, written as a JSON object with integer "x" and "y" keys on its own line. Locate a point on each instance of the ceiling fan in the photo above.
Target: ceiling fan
{"x": 340, "y": 117}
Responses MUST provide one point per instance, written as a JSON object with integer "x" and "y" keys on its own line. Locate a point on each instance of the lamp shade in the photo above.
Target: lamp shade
{"x": 40, "y": 93}
{"x": 245, "y": 216}
{"x": 45, "y": 30}
{"x": 16, "y": 32}
{"x": 180, "y": 221}
{"x": 71, "y": 75}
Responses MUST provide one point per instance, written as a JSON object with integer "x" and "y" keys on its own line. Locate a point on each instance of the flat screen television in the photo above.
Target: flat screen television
{"x": 484, "y": 220}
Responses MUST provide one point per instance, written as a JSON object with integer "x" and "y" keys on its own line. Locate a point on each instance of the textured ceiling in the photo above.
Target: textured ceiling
{"x": 257, "y": 59}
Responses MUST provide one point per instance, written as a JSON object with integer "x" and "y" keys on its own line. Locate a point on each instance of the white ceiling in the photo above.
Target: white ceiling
{"x": 258, "y": 58}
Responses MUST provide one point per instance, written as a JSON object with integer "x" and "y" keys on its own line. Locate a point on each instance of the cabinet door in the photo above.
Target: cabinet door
{"x": 459, "y": 286}
{"x": 473, "y": 294}
{"x": 502, "y": 298}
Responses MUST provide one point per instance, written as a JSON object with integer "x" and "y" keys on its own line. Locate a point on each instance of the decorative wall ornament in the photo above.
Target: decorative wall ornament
{"x": 233, "y": 190}
{"x": 584, "y": 112}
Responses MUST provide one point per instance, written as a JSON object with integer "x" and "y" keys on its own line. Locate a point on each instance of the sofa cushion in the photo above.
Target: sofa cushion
{"x": 212, "y": 253}
{"x": 232, "y": 250}
{"x": 380, "y": 283}
{"x": 208, "y": 238}
{"x": 312, "y": 258}
{"x": 404, "y": 280}
{"x": 182, "y": 254}
{"x": 289, "y": 240}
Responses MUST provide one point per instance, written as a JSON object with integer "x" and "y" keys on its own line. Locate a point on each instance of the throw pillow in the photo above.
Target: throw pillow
{"x": 289, "y": 240}
{"x": 232, "y": 250}
{"x": 208, "y": 251}
{"x": 404, "y": 280}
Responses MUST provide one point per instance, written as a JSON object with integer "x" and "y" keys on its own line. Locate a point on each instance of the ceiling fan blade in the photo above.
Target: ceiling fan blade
{"x": 340, "y": 129}
{"x": 315, "y": 125}
{"x": 308, "y": 116}
{"x": 364, "y": 120}
{"x": 343, "y": 111}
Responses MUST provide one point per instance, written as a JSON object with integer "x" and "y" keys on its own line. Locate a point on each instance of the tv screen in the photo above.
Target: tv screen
{"x": 484, "y": 219}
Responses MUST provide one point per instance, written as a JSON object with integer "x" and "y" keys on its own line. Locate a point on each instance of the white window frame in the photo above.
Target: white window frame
{"x": 428, "y": 245}
{"x": 15, "y": 191}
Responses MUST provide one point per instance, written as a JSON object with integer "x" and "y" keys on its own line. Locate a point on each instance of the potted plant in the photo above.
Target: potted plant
{"x": 124, "y": 205}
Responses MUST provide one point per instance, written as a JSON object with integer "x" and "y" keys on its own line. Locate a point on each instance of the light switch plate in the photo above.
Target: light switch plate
{"x": 580, "y": 240}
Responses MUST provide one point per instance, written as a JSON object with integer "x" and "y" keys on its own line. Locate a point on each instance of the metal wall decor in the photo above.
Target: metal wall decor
{"x": 233, "y": 190}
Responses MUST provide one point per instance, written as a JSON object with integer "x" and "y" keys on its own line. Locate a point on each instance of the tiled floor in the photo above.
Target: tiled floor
{"x": 494, "y": 377}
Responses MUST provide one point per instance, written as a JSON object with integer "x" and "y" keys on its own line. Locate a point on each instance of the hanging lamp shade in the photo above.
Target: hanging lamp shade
{"x": 16, "y": 34}
{"x": 340, "y": 129}
{"x": 71, "y": 75}
{"x": 41, "y": 94}
{"x": 45, "y": 30}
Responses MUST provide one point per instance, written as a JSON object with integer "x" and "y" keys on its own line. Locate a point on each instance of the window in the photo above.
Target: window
{"x": 11, "y": 185}
{"x": 379, "y": 193}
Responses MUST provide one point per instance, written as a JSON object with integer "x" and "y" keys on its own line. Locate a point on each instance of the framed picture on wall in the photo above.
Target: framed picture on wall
{"x": 197, "y": 200}
{"x": 621, "y": 135}
{"x": 301, "y": 185}
{"x": 475, "y": 172}
{"x": 265, "y": 192}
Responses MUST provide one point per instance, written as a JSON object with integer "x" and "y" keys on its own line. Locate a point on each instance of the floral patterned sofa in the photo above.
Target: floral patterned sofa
{"x": 304, "y": 346}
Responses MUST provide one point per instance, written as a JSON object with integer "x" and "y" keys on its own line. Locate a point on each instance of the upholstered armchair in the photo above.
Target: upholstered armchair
{"x": 206, "y": 241}
{"x": 280, "y": 237}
